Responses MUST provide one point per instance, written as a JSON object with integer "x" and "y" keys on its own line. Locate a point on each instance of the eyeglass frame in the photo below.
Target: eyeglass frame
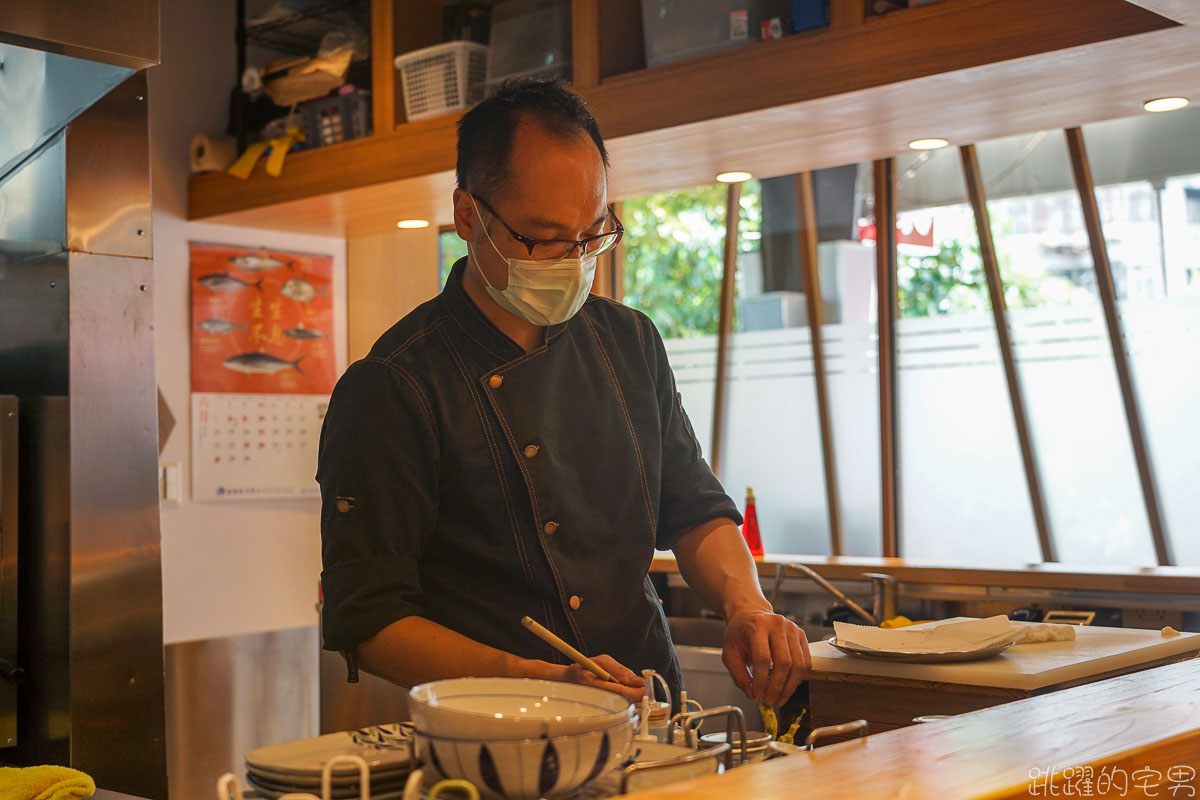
{"x": 581, "y": 244}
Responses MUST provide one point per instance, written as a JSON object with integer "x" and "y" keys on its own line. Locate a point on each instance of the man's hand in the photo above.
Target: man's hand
{"x": 766, "y": 654}
{"x": 628, "y": 683}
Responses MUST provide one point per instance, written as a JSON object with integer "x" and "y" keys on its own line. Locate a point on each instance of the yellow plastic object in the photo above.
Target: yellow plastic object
{"x": 770, "y": 721}
{"x": 278, "y": 146}
{"x": 901, "y": 622}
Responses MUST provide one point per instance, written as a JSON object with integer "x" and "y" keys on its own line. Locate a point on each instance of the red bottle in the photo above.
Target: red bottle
{"x": 750, "y": 526}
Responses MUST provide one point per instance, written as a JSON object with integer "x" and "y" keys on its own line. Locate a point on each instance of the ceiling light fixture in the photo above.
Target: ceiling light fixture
{"x": 733, "y": 177}
{"x": 1165, "y": 104}
{"x": 411, "y": 224}
{"x": 927, "y": 144}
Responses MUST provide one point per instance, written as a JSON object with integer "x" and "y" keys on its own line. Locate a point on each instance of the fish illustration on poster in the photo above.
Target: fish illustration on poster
{"x": 262, "y": 321}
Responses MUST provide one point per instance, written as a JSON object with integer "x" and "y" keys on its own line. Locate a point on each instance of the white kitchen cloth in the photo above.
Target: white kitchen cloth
{"x": 1033, "y": 632}
{"x": 945, "y": 637}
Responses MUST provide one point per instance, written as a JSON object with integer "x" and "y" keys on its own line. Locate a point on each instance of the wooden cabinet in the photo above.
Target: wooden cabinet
{"x": 859, "y": 89}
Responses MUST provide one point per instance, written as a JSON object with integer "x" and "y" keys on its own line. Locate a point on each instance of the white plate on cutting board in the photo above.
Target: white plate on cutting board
{"x": 1095, "y": 651}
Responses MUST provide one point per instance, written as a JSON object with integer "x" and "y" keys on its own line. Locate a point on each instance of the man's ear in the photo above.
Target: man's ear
{"x": 465, "y": 218}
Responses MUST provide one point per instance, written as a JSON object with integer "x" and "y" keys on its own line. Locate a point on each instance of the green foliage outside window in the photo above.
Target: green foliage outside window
{"x": 450, "y": 249}
{"x": 953, "y": 282}
{"x": 674, "y": 250}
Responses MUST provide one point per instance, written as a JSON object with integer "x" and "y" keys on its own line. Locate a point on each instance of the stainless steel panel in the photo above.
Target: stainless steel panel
{"x": 9, "y": 654}
{"x": 108, "y": 175}
{"x": 44, "y": 702}
{"x": 228, "y": 696}
{"x": 40, "y": 93}
{"x": 116, "y": 651}
{"x": 33, "y": 215}
{"x": 121, "y": 32}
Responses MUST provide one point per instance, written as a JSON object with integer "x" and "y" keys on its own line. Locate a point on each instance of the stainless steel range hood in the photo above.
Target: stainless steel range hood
{"x": 79, "y": 450}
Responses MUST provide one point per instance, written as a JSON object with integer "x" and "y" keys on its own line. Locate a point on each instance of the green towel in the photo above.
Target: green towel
{"x": 44, "y": 783}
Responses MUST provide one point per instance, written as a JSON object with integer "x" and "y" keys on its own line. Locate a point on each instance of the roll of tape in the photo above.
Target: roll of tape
{"x": 212, "y": 153}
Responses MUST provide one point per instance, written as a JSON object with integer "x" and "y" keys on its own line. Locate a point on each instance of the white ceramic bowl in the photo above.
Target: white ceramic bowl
{"x": 522, "y": 769}
{"x": 513, "y": 708}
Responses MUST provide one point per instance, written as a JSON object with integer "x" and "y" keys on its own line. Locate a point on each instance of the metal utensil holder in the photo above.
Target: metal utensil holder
{"x": 691, "y": 758}
{"x": 690, "y": 724}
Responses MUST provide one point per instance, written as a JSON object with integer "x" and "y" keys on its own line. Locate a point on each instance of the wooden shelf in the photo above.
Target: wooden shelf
{"x": 963, "y": 69}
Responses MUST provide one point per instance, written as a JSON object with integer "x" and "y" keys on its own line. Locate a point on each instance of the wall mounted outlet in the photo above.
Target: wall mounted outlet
{"x": 168, "y": 483}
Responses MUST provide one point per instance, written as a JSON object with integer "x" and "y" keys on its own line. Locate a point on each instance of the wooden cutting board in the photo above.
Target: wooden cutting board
{"x": 1095, "y": 651}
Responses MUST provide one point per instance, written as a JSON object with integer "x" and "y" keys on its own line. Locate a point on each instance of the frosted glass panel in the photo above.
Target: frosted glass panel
{"x": 1164, "y": 339}
{"x": 773, "y": 442}
{"x": 694, "y": 362}
{"x": 963, "y": 494}
{"x": 852, "y": 373}
{"x": 1097, "y": 514}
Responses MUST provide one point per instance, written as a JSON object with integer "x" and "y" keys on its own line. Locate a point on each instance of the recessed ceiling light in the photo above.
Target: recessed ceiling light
{"x": 413, "y": 223}
{"x": 927, "y": 144}
{"x": 733, "y": 177}
{"x": 1165, "y": 104}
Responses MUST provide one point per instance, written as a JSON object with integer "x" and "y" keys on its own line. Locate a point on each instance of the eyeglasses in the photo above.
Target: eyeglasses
{"x": 551, "y": 249}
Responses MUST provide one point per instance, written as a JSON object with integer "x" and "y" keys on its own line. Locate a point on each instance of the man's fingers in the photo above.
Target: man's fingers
{"x": 760, "y": 657}
{"x": 622, "y": 673}
{"x": 577, "y": 674}
{"x": 782, "y": 661}
{"x": 738, "y": 669}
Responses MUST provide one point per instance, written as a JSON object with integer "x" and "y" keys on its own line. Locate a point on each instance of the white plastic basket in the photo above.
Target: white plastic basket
{"x": 443, "y": 78}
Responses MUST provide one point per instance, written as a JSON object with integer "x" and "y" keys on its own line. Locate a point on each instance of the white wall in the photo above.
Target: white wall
{"x": 228, "y": 568}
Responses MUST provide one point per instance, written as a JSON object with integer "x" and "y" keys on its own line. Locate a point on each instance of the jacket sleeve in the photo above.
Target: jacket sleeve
{"x": 690, "y": 493}
{"x": 377, "y": 469}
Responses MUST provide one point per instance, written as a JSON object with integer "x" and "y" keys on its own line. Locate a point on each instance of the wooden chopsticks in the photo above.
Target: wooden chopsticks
{"x": 566, "y": 649}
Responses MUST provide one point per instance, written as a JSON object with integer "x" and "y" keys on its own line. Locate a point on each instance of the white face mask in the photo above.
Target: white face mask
{"x": 541, "y": 292}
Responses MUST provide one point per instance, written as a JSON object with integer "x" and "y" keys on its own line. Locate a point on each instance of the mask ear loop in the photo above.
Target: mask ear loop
{"x": 470, "y": 249}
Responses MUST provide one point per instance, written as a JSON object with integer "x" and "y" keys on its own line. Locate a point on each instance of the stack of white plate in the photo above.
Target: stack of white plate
{"x": 296, "y": 766}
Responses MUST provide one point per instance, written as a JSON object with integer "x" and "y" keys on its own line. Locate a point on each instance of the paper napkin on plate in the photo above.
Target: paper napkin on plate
{"x": 945, "y": 637}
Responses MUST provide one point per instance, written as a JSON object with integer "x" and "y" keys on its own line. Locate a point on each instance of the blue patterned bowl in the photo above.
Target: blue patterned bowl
{"x": 524, "y": 769}
{"x": 488, "y": 709}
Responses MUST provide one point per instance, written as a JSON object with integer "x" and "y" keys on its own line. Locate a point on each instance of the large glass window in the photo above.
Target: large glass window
{"x": 773, "y": 440}
{"x": 962, "y": 489}
{"x": 1153, "y": 162}
{"x": 1095, "y": 505}
{"x": 673, "y": 256}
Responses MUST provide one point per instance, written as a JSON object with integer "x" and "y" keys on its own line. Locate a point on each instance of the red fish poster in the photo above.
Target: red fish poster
{"x": 262, "y": 321}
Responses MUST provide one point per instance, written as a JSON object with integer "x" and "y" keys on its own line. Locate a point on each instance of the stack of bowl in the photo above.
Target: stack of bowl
{"x": 518, "y": 738}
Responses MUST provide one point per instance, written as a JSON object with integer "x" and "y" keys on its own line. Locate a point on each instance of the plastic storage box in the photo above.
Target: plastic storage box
{"x": 678, "y": 29}
{"x": 443, "y": 78}
{"x": 336, "y": 119}
{"x": 529, "y": 38}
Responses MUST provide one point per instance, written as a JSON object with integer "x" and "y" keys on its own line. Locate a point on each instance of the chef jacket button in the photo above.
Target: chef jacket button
{"x": 495, "y": 381}
{"x": 576, "y": 602}
{"x": 531, "y": 450}
{"x": 550, "y": 527}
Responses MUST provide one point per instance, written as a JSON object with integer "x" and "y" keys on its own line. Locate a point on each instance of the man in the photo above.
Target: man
{"x": 517, "y": 447}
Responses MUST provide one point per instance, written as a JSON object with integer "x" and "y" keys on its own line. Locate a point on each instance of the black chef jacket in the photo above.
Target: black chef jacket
{"x": 471, "y": 483}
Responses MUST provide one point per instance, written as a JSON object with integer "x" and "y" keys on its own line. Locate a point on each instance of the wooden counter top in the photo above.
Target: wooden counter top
{"x": 1145, "y": 720}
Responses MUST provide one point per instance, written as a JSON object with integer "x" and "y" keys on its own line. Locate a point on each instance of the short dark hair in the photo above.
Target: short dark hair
{"x": 485, "y": 133}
